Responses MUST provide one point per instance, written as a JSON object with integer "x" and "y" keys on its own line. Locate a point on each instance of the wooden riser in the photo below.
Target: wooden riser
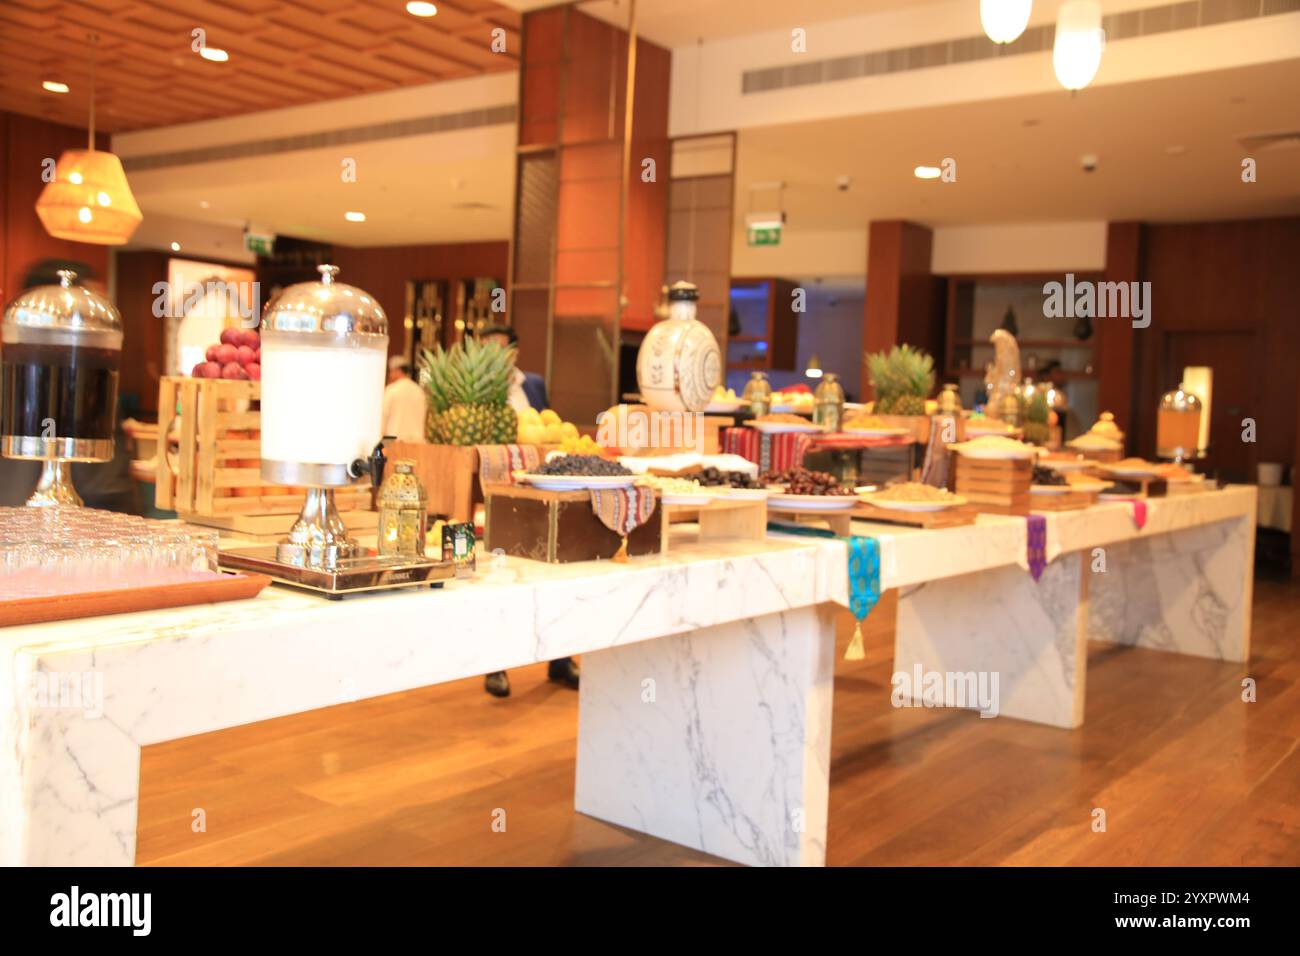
{"x": 725, "y": 519}
{"x": 269, "y": 528}
{"x": 948, "y": 518}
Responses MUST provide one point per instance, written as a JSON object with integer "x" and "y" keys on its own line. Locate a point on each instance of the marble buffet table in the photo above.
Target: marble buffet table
{"x": 705, "y": 708}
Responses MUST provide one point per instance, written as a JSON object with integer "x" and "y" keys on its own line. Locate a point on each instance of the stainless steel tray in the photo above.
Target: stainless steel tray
{"x": 350, "y": 576}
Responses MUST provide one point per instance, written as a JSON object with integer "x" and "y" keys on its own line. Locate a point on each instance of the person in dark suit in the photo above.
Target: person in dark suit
{"x": 528, "y": 389}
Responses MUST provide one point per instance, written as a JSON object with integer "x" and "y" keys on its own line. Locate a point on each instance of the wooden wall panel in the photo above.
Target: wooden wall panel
{"x": 143, "y": 345}
{"x": 25, "y": 143}
{"x": 1117, "y": 342}
{"x": 383, "y": 271}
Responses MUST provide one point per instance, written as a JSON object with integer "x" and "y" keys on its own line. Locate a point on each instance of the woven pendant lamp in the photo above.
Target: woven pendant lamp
{"x": 89, "y": 199}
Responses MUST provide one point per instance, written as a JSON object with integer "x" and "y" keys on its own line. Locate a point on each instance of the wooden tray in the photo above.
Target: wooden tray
{"x": 1070, "y": 501}
{"x": 66, "y": 607}
{"x": 947, "y": 518}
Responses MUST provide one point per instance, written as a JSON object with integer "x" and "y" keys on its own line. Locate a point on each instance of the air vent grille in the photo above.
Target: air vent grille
{"x": 1118, "y": 26}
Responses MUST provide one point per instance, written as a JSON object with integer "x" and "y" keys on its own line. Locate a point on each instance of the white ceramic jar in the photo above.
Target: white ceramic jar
{"x": 679, "y": 365}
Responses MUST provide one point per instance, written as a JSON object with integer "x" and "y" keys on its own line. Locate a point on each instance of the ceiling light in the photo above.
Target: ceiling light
{"x": 927, "y": 172}
{"x": 84, "y": 178}
{"x": 176, "y": 247}
{"x": 355, "y": 216}
{"x": 418, "y": 8}
{"x": 215, "y": 54}
{"x": 1080, "y": 39}
{"x": 1004, "y": 20}
{"x": 52, "y": 86}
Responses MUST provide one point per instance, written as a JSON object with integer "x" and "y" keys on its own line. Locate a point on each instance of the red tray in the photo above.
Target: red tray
{"x": 64, "y": 607}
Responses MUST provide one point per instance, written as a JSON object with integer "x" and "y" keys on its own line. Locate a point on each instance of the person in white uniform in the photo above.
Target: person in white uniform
{"x": 406, "y": 408}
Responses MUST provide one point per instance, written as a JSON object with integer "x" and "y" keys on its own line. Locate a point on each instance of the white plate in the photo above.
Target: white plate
{"x": 913, "y": 505}
{"x": 1066, "y": 465}
{"x": 784, "y": 428}
{"x": 750, "y": 494}
{"x": 1130, "y": 472}
{"x": 975, "y": 431}
{"x": 779, "y": 501}
{"x": 1050, "y": 489}
{"x": 699, "y": 500}
{"x": 993, "y": 454}
{"x": 720, "y": 407}
{"x": 877, "y": 432}
{"x": 578, "y": 482}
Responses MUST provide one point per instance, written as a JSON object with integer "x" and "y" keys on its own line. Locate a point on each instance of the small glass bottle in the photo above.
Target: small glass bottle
{"x": 949, "y": 400}
{"x": 828, "y": 403}
{"x": 402, "y": 503}
{"x": 758, "y": 394}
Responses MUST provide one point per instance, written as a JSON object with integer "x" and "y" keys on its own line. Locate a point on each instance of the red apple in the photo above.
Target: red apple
{"x": 211, "y": 355}
{"x": 245, "y": 355}
{"x": 249, "y": 337}
{"x": 227, "y": 353}
{"x": 254, "y": 371}
{"x": 232, "y": 370}
{"x": 207, "y": 370}
{"x": 231, "y": 337}
{"x": 257, "y": 355}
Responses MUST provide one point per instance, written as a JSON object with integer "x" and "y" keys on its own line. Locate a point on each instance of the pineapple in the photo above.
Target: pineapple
{"x": 903, "y": 378}
{"x": 467, "y": 387}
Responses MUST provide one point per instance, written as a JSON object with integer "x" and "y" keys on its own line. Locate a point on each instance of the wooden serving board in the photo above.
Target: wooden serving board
{"x": 65, "y": 607}
{"x": 947, "y": 518}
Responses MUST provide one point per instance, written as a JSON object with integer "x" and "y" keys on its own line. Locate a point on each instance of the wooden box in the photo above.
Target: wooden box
{"x": 998, "y": 485}
{"x": 209, "y": 460}
{"x": 449, "y": 473}
{"x": 559, "y": 527}
{"x": 663, "y": 433}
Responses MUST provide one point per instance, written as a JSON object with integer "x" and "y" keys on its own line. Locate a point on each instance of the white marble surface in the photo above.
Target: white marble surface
{"x": 69, "y": 773}
{"x": 668, "y": 731}
{"x": 68, "y": 780}
{"x": 1002, "y": 622}
{"x": 1188, "y": 592}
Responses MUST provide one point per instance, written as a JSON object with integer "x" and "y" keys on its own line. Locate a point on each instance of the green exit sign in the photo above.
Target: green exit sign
{"x": 259, "y": 245}
{"x": 764, "y": 235}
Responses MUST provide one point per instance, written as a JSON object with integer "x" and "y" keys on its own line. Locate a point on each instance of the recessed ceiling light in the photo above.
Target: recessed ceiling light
{"x": 418, "y": 8}
{"x": 1175, "y": 150}
{"x": 204, "y": 204}
{"x": 927, "y": 172}
{"x": 53, "y": 86}
{"x": 355, "y": 216}
{"x": 176, "y": 247}
{"x": 215, "y": 54}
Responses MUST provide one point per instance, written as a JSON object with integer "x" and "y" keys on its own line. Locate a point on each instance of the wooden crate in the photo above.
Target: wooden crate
{"x": 947, "y": 518}
{"x": 720, "y": 520}
{"x": 1000, "y": 486}
{"x": 559, "y": 527}
{"x": 211, "y": 467}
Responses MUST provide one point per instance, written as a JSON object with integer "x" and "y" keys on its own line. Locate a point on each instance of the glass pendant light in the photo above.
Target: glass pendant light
{"x": 1005, "y": 20}
{"x": 1080, "y": 40}
{"x": 89, "y": 199}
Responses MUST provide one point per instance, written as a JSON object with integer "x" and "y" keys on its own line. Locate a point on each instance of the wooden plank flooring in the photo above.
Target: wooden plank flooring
{"x": 1186, "y": 772}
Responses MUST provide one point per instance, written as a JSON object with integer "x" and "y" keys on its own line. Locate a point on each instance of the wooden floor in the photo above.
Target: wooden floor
{"x": 1186, "y": 772}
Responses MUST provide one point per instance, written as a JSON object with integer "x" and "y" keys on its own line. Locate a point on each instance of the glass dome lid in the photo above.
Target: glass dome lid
{"x": 65, "y": 308}
{"x": 327, "y": 307}
{"x": 1180, "y": 400}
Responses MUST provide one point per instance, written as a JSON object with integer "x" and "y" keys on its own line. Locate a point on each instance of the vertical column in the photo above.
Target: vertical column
{"x": 717, "y": 739}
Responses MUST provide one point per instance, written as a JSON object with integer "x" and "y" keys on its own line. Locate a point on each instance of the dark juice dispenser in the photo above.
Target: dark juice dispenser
{"x": 60, "y": 351}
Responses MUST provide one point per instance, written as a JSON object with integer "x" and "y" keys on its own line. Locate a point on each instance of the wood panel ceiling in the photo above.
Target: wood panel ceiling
{"x": 282, "y": 53}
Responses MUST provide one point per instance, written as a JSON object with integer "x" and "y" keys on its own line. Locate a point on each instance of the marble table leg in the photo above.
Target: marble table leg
{"x": 718, "y": 739}
{"x": 69, "y": 776}
{"x": 998, "y": 642}
{"x": 1187, "y": 591}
